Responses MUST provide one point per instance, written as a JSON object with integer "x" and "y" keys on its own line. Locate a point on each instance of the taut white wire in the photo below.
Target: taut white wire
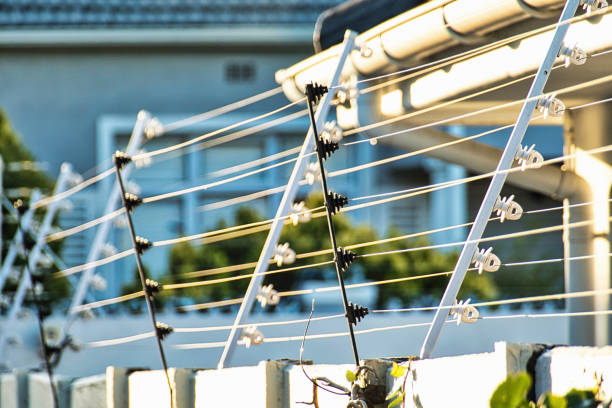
{"x": 213, "y": 133}
{"x": 48, "y": 200}
{"x": 350, "y": 208}
{"x": 221, "y": 111}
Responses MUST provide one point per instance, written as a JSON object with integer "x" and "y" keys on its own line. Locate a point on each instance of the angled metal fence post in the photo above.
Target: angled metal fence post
{"x": 1, "y": 212}
{"x": 13, "y": 250}
{"x": 285, "y": 204}
{"x": 35, "y": 252}
{"x": 114, "y": 200}
{"x": 488, "y": 203}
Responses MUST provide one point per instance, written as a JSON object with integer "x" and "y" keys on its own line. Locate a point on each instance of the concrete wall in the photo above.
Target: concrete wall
{"x": 466, "y": 381}
{"x": 456, "y": 340}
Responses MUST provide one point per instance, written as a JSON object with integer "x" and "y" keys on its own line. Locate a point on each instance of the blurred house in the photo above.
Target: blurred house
{"x": 76, "y": 72}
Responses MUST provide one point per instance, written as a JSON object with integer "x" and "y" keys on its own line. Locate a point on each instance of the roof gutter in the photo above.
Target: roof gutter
{"x": 415, "y": 34}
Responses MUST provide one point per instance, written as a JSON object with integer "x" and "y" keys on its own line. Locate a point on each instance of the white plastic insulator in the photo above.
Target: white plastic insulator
{"x": 74, "y": 179}
{"x": 573, "y": 55}
{"x": 250, "y": 336}
{"x": 66, "y": 205}
{"x": 590, "y": 5}
{"x": 346, "y": 92}
{"x": 120, "y": 221}
{"x": 108, "y": 249}
{"x": 283, "y": 255}
{"x": 141, "y": 160}
{"x": 312, "y": 173}
{"x": 87, "y": 314}
{"x": 98, "y": 283}
{"x": 299, "y": 213}
{"x": 52, "y": 333}
{"x": 5, "y": 301}
{"x": 14, "y": 275}
{"x": 527, "y": 156}
{"x": 38, "y": 289}
{"x": 486, "y": 260}
{"x": 153, "y": 128}
{"x": 463, "y": 312}
{"x": 507, "y": 209}
{"x": 132, "y": 188}
{"x": 267, "y": 295}
{"x": 550, "y": 105}
{"x": 44, "y": 260}
{"x": 331, "y": 132}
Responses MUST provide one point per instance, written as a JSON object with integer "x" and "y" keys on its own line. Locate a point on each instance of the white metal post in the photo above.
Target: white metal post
{"x": 114, "y": 199}
{"x": 285, "y": 204}
{"x": 24, "y": 283}
{"x": 1, "y": 220}
{"x": 7, "y": 265}
{"x": 497, "y": 182}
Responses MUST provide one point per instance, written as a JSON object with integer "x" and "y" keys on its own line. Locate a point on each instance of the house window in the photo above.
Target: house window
{"x": 240, "y": 72}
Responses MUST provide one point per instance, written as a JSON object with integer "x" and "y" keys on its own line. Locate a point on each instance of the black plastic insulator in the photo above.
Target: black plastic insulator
{"x": 163, "y": 330}
{"x": 314, "y": 92}
{"x": 355, "y": 313}
{"x": 152, "y": 287}
{"x": 142, "y": 244}
{"x": 335, "y": 202}
{"x": 327, "y": 148}
{"x": 345, "y": 258}
{"x": 131, "y": 201}
{"x": 121, "y": 159}
{"x": 21, "y": 206}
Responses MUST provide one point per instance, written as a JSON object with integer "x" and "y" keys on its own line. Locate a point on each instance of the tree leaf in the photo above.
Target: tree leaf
{"x": 350, "y": 376}
{"x": 397, "y": 370}
{"x": 580, "y": 399}
{"x": 393, "y": 395}
{"x": 512, "y": 392}
{"x": 553, "y": 401}
{"x": 398, "y": 400}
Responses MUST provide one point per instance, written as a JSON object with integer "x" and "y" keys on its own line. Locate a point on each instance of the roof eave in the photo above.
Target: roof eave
{"x": 219, "y": 35}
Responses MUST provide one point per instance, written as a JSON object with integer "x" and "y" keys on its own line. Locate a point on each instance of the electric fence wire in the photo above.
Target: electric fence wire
{"x": 279, "y": 189}
{"x": 77, "y": 229}
{"x": 233, "y": 169}
{"x": 225, "y": 109}
{"x": 220, "y": 111}
{"x": 441, "y": 63}
{"x": 192, "y": 346}
{"x": 209, "y": 282}
{"x": 420, "y": 69}
{"x": 403, "y": 195}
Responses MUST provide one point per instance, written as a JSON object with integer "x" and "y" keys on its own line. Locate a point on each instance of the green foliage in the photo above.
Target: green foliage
{"x": 397, "y": 370}
{"x": 13, "y": 150}
{"x": 397, "y": 395}
{"x": 314, "y": 236}
{"x": 512, "y": 393}
{"x": 530, "y": 280}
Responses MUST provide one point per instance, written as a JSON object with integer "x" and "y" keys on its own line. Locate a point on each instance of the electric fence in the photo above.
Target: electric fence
{"x": 149, "y": 287}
